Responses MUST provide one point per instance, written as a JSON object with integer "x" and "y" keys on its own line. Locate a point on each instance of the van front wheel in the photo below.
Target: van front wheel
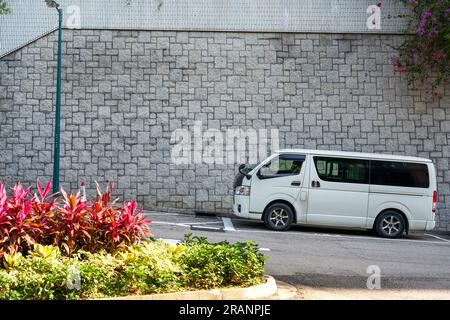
{"x": 390, "y": 224}
{"x": 278, "y": 217}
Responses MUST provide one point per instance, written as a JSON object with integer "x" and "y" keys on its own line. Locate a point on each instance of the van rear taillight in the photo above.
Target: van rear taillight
{"x": 435, "y": 196}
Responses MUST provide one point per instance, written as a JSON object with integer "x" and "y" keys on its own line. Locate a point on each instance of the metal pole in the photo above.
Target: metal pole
{"x": 58, "y": 109}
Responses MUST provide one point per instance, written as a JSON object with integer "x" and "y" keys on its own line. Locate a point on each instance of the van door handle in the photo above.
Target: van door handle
{"x": 295, "y": 183}
{"x": 315, "y": 184}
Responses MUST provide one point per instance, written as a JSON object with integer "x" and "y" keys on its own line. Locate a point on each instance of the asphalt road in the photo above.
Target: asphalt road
{"x": 327, "y": 258}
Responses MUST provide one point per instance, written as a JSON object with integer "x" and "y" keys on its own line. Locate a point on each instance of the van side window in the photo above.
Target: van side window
{"x": 400, "y": 174}
{"x": 284, "y": 165}
{"x": 342, "y": 170}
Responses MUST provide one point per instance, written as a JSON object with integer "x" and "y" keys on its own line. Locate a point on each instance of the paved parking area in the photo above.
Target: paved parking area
{"x": 307, "y": 257}
{"x": 227, "y": 224}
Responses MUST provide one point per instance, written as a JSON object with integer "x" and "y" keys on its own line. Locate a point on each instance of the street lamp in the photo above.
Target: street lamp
{"x": 54, "y": 4}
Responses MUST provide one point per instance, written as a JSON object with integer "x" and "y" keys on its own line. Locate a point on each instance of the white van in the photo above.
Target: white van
{"x": 390, "y": 194}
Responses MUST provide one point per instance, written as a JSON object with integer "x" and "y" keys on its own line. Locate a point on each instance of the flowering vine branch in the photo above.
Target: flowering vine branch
{"x": 425, "y": 54}
{"x": 4, "y": 9}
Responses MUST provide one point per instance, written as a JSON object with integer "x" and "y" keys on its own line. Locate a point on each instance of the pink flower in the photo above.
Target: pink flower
{"x": 432, "y": 32}
{"x": 396, "y": 63}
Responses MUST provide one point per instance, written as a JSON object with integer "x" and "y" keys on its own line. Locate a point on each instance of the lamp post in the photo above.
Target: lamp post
{"x": 54, "y": 4}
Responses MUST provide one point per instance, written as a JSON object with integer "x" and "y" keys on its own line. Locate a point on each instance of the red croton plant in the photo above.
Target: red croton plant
{"x": 66, "y": 221}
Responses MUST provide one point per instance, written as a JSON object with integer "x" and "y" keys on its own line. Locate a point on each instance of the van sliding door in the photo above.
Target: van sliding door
{"x": 338, "y": 194}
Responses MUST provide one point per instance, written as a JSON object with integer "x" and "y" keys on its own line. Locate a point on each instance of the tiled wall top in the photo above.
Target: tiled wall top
{"x": 32, "y": 18}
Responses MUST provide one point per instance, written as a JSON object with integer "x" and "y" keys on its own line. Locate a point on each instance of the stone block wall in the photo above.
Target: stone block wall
{"x": 125, "y": 92}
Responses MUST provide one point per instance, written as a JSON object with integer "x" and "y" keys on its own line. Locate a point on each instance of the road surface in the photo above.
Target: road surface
{"x": 306, "y": 257}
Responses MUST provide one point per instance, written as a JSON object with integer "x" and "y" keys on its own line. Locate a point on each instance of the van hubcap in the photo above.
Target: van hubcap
{"x": 279, "y": 217}
{"x": 391, "y": 224}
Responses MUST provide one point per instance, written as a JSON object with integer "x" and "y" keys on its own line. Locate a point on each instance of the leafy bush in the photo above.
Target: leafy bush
{"x": 209, "y": 265}
{"x": 23, "y": 218}
{"x": 4, "y": 9}
{"x": 115, "y": 227}
{"x": 149, "y": 267}
{"x": 64, "y": 248}
{"x": 426, "y": 53}
{"x": 72, "y": 225}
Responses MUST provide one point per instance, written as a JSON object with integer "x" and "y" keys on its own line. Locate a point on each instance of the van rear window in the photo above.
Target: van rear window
{"x": 400, "y": 174}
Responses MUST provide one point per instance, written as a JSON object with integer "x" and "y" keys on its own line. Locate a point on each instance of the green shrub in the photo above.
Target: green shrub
{"x": 209, "y": 265}
{"x": 146, "y": 268}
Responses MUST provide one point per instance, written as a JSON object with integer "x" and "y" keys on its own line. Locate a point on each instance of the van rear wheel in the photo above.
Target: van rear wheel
{"x": 390, "y": 224}
{"x": 278, "y": 217}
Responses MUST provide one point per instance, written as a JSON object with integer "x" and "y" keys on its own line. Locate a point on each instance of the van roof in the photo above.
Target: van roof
{"x": 354, "y": 154}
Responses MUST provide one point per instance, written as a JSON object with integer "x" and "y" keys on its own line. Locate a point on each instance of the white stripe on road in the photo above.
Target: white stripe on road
{"x": 174, "y": 241}
{"x": 171, "y": 224}
{"x": 199, "y": 223}
{"x": 185, "y": 224}
{"x": 170, "y": 241}
{"x": 164, "y": 214}
{"x": 432, "y": 235}
{"x": 228, "y": 225}
{"x": 340, "y": 236}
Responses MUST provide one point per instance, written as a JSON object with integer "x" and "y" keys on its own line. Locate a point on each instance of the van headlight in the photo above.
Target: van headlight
{"x": 243, "y": 191}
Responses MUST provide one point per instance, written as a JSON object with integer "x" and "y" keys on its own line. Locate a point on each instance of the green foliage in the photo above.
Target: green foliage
{"x": 425, "y": 54}
{"x": 146, "y": 268}
{"x": 83, "y": 250}
{"x": 209, "y": 265}
{"x": 4, "y": 8}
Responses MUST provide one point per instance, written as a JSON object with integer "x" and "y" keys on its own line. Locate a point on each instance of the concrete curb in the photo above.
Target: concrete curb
{"x": 259, "y": 291}
{"x": 324, "y": 293}
{"x": 286, "y": 291}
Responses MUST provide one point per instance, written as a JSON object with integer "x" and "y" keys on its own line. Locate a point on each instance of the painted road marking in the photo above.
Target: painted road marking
{"x": 432, "y": 235}
{"x": 164, "y": 214}
{"x": 200, "y": 223}
{"x": 341, "y": 236}
{"x": 171, "y": 224}
{"x": 170, "y": 241}
{"x": 185, "y": 224}
{"x": 204, "y": 228}
{"x": 174, "y": 241}
{"x": 232, "y": 229}
{"x": 228, "y": 224}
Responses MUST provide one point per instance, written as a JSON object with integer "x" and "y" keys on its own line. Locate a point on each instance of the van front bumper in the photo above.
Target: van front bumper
{"x": 241, "y": 206}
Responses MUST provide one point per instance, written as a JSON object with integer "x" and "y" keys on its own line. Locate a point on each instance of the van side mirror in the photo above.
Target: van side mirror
{"x": 264, "y": 173}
